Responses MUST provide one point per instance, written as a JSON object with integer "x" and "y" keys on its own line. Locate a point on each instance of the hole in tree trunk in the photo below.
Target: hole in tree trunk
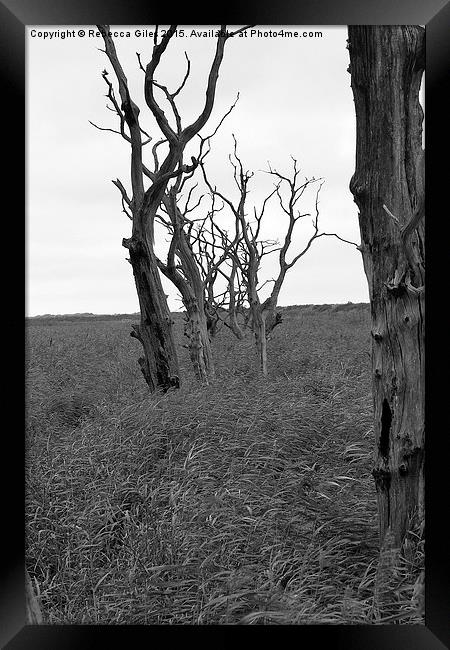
{"x": 386, "y": 420}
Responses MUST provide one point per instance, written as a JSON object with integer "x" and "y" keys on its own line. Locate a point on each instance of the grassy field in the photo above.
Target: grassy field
{"x": 249, "y": 501}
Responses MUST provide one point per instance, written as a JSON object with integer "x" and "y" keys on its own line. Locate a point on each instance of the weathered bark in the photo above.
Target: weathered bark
{"x": 233, "y": 304}
{"x": 259, "y": 324}
{"x": 193, "y": 295}
{"x": 234, "y": 325}
{"x": 386, "y": 66}
{"x": 212, "y": 321}
{"x": 212, "y": 317}
{"x": 33, "y": 610}
{"x": 273, "y": 319}
{"x": 191, "y": 288}
{"x": 159, "y": 365}
{"x": 196, "y": 330}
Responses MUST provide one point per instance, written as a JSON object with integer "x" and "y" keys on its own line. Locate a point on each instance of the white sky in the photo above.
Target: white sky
{"x": 295, "y": 99}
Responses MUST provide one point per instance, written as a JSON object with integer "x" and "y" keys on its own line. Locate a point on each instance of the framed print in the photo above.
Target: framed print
{"x": 204, "y": 302}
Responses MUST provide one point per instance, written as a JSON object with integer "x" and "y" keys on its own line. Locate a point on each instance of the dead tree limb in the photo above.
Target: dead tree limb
{"x": 159, "y": 363}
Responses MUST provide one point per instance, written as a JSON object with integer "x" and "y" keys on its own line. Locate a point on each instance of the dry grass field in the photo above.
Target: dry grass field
{"x": 250, "y": 501}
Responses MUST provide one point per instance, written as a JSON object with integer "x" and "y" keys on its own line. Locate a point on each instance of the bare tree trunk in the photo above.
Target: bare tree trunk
{"x": 159, "y": 365}
{"x": 273, "y": 319}
{"x": 386, "y": 65}
{"x": 211, "y": 309}
{"x": 212, "y": 321}
{"x": 212, "y": 317}
{"x": 191, "y": 288}
{"x": 259, "y": 331}
{"x": 196, "y": 329}
{"x": 233, "y": 305}
{"x": 234, "y": 325}
{"x": 193, "y": 295}
{"x": 262, "y": 346}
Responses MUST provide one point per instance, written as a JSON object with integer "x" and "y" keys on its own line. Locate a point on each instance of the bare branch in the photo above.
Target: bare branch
{"x": 261, "y": 286}
{"x": 200, "y": 122}
{"x": 209, "y": 137}
{"x": 129, "y": 215}
{"x": 215, "y": 192}
{"x": 116, "y": 109}
{"x": 119, "y": 184}
{"x": 181, "y": 169}
{"x": 131, "y": 115}
{"x": 241, "y": 29}
{"x": 333, "y": 234}
{"x": 115, "y": 106}
{"x": 140, "y": 62}
{"x": 185, "y": 77}
{"x": 289, "y": 265}
{"x": 154, "y": 153}
{"x": 102, "y": 128}
{"x": 125, "y": 198}
{"x": 170, "y": 99}
{"x": 188, "y": 209}
{"x": 158, "y": 113}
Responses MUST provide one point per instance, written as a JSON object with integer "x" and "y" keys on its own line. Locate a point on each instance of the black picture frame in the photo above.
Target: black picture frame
{"x": 15, "y": 15}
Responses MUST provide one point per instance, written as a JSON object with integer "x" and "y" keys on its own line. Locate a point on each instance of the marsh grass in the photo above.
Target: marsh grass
{"x": 249, "y": 501}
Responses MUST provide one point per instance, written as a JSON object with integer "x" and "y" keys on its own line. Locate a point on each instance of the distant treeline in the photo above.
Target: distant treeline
{"x": 78, "y": 318}
{"x": 347, "y": 306}
{"x": 47, "y": 319}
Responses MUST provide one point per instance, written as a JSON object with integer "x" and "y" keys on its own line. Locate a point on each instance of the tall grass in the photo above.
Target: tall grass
{"x": 249, "y": 501}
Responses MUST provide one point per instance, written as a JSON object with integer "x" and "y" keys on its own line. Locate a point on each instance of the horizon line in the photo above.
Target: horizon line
{"x": 136, "y": 313}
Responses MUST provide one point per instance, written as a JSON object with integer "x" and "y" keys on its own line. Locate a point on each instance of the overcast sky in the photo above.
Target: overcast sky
{"x": 295, "y": 100}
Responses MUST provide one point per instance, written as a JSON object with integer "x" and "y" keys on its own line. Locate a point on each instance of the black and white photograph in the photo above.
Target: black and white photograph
{"x": 225, "y": 325}
{"x": 225, "y": 375}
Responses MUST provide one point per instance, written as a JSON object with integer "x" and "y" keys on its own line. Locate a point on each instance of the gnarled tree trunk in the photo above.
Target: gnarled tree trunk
{"x": 191, "y": 288}
{"x": 159, "y": 365}
{"x": 193, "y": 295}
{"x": 258, "y": 317}
{"x": 261, "y": 342}
{"x": 386, "y": 66}
{"x": 196, "y": 330}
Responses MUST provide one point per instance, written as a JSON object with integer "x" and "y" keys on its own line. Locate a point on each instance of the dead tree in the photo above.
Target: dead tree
{"x": 159, "y": 364}
{"x": 193, "y": 275}
{"x": 186, "y": 277}
{"x": 211, "y": 253}
{"x": 186, "y": 270}
{"x": 386, "y": 66}
{"x": 215, "y": 252}
{"x": 238, "y": 315}
{"x": 251, "y": 248}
